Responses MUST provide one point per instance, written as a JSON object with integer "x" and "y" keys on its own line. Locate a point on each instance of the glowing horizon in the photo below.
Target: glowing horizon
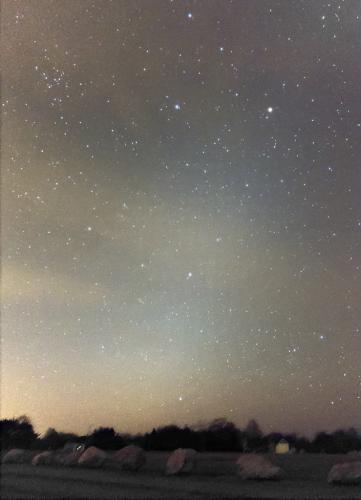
{"x": 181, "y": 222}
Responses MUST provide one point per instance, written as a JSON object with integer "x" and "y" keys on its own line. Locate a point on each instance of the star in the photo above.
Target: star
{"x": 192, "y": 207}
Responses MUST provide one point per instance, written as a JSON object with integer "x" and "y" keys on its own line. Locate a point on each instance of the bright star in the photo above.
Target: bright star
{"x": 270, "y": 109}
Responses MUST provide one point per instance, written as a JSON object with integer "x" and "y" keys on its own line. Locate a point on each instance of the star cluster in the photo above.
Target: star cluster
{"x": 181, "y": 222}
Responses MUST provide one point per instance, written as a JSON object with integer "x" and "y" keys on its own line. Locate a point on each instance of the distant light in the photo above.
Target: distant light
{"x": 89, "y": 228}
{"x": 221, "y": 49}
{"x": 270, "y": 109}
{"x": 177, "y": 107}
{"x": 180, "y": 398}
{"x": 190, "y": 275}
{"x": 190, "y": 15}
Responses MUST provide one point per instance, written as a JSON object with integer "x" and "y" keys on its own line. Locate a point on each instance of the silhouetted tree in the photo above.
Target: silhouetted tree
{"x": 346, "y": 440}
{"x": 105, "y": 438}
{"x": 253, "y": 439}
{"x": 219, "y": 435}
{"x": 17, "y": 433}
{"x": 165, "y": 438}
{"x": 340, "y": 441}
{"x": 53, "y": 440}
{"x": 323, "y": 443}
{"x": 169, "y": 438}
{"x": 223, "y": 435}
{"x": 298, "y": 442}
{"x": 253, "y": 430}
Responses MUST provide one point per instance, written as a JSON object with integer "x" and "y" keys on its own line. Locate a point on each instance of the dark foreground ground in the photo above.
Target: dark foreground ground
{"x": 213, "y": 478}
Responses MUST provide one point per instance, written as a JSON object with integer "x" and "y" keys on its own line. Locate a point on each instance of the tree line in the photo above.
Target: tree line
{"x": 218, "y": 435}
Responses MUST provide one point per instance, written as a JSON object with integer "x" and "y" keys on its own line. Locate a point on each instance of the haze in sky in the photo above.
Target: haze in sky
{"x": 181, "y": 216}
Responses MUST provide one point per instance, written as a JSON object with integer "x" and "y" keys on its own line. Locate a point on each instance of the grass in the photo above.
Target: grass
{"x": 213, "y": 478}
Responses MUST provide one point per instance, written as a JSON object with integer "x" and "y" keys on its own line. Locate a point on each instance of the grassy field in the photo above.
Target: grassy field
{"x": 214, "y": 478}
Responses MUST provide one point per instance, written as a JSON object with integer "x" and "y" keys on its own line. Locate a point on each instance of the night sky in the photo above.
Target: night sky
{"x": 181, "y": 213}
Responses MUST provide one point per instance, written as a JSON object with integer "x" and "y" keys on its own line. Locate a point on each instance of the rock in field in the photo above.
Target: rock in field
{"x": 347, "y": 473}
{"x": 69, "y": 455}
{"x": 17, "y": 456}
{"x": 354, "y": 454}
{"x": 181, "y": 460}
{"x": 251, "y": 466}
{"x": 92, "y": 457}
{"x": 130, "y": 457}
{"x": 73, "y": 447}
{"x": 67, "y": 458}
{"x": 43, "y": 458}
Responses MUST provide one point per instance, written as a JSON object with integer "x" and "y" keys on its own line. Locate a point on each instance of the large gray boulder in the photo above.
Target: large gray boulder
{"x": 130, "y": 458}
{"x": 17, "y": 456}
{"x": 252, "y": 466}
{"x": 69, "y": 455}
{"x": 182, "y": 460}
{"x": 73, "y": 447}
{"x": 346, "y": 473}
{"x": 44, "y": 458}
{"x": 92, "y": 457}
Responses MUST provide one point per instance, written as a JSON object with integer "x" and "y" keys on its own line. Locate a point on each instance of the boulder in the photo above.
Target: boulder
{"x": 346, "y": 473}
{"x": 182, "y": 460}
{"x": 92, "y": 457}
{"x": 43, "y": 458}
{"x": 130, "y": 457}
{"x": 69, "y": 455}
{"x": 17, "y": 456}
{"x": 67, "y": 458}
{"x": 72, "y": 447}
{"x": 252, "y": 466}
